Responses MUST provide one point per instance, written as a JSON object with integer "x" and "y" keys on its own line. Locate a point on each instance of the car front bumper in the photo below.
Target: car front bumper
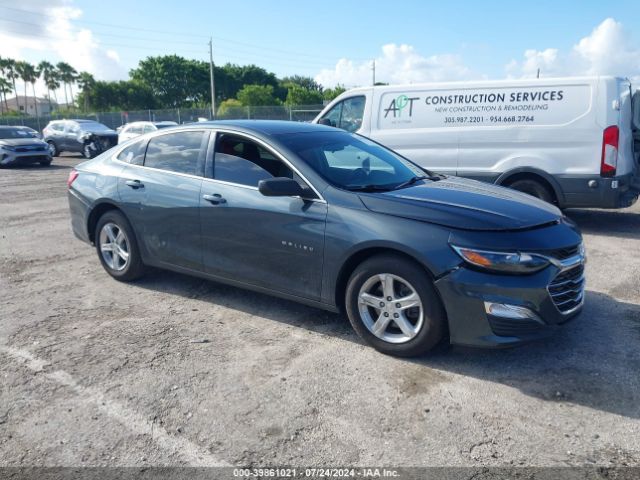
{"x": 23, "y": 158}
{"x": 523, "y": 306}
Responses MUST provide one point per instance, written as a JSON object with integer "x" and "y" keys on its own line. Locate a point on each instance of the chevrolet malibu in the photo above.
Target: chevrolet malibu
{"x": 331, "y": 219}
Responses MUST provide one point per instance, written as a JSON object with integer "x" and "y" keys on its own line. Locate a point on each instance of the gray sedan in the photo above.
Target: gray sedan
{"x": 331, "y": 219}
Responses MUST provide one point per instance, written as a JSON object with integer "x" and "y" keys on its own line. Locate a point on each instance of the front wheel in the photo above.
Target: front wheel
{"x": 392, "y": 304}
{"x": 87, "y": 151}
{"x": 53, "y": 149}
{"x": 117, "y": 247}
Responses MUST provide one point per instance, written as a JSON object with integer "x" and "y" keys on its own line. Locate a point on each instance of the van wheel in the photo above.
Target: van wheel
{"x": 392, "y": 304}
{"x": 534, "y": 188}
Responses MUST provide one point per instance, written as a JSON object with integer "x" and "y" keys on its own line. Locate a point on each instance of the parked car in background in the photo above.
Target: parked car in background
{"x": 134, "y": 129}
{"x": 87, "y": 137}
{"x": 568, "y": 141}
{"x": 22, "y": 145}
{"x": 332, "y": 219}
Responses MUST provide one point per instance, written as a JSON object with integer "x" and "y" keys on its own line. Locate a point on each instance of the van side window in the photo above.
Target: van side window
{"x": 346, "y": 115}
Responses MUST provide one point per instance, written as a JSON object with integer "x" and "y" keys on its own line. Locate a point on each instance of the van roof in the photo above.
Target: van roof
{"x": 506, "y": 81}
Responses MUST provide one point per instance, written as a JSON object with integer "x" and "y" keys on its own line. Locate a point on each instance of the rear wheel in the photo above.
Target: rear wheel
{"x": 392, "y": 304}
{"x": 534, "y": 188}
{"x": 117, "y": 247}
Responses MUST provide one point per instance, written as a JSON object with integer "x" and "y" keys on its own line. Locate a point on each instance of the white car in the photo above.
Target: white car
{"x": 133, "y": 129}
{"x": 569, "y": 141}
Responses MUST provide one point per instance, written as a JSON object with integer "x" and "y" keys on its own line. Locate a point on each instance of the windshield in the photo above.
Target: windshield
{"x": 352, "y": 162}
{"x": 165, "y": 125}
{"x": 93, "y": 127}
{"x": 6, "y": 133}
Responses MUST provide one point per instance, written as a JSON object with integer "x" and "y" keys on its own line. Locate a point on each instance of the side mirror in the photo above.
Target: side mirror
{"x": 281, "y": 187}
{"x": 326, "y": 121}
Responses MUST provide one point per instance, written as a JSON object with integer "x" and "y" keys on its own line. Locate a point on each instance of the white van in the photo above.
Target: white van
{"x": 569, "y": 141}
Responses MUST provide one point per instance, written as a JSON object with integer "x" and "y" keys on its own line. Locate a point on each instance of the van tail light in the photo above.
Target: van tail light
{"x": 609, "y": 160}
{"x": 73, "y": 174}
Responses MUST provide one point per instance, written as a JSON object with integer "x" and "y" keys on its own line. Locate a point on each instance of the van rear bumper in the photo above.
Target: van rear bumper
{"x": 594, "y": 191}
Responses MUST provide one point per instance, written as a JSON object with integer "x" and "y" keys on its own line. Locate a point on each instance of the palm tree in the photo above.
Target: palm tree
{"x": 12, "y": 74}
{"x": 28, "y": 74}
{"x": 47, "y": 70}
{"x": 4, "y": 81}
{"x": 53, "y": 84}
{"x": 86, "y": 83}
{"x": 5, "y": 87}
{"x": 67, "y": 75}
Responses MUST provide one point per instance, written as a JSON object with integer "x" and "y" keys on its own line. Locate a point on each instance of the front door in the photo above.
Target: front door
{"x": 270, "y": 242}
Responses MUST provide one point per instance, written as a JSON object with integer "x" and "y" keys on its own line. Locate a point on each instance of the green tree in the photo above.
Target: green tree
{"x": 298, "y": 95}
{"x": 67, "y": 75}
{"x": 86, "y": 82}
{"x": 230, "y": 108}
{"x": 48, "y": 72}
{"x": 230, "y": 79}
{"x": 11, "y": 72}
{"x": 5, "y": 87}
{"x": 257, "y": 95}
{"x": 331, "y": 93}
{"x": 305, "y": 82}
{"x": 121, "y": 95}
{"x": 176, "y": 81}
{"x": 29, "y": 75}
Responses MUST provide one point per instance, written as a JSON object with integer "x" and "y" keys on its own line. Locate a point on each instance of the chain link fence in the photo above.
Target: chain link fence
{"x": 299, "y": 113}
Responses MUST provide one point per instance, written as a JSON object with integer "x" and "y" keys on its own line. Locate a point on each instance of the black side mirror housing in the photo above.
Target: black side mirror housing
{"x": 281, "y": 187}
{"x": 326, "y": 121}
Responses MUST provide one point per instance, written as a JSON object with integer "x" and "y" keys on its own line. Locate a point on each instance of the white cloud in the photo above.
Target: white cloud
{"x": 608, "y": 50}
{"x": 50, "y": 34}
{"x": 397, "y": 64}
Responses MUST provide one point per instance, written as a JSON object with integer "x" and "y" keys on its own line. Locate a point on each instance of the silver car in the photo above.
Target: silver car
{"x": 21, "y": 145}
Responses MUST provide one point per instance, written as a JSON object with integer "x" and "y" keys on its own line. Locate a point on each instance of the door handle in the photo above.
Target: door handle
{"x": 135, "y": 184}
{"x": 215, "y": 199}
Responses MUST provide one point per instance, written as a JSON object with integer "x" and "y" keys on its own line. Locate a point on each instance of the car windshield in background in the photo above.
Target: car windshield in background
{"x": 353, "y": 162}
{"x": 7, "y": 133}
{"x": 165, "y": 125}
{"x": 94, "y": 127}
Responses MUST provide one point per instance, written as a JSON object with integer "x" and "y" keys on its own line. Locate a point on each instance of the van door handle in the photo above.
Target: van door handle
{"x": 215, "y": 199}
{"x": 135, "y": 184}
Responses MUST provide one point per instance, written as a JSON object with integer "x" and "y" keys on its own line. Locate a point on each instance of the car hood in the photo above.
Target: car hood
{"x": 20, "y": 142}
{"x": 465, "y": 204}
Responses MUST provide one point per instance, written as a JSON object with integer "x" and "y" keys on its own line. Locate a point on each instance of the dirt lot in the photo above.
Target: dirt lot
{"x": 95, "y": 372}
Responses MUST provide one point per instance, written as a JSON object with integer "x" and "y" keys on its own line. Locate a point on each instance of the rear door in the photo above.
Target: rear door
{"x": 271, "y": 242}
{"x": 162, "y": 197}
{"x": 69, "y": 138}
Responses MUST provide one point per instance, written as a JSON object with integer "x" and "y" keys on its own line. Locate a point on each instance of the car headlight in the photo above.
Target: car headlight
{"x": 504, "y": 262}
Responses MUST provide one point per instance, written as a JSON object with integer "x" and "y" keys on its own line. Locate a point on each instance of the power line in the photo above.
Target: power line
{"x": 165, "y": 32}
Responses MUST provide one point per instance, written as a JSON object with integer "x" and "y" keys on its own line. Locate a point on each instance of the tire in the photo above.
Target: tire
{"x": 534, "y": 188}
{"x": 109, "y": 229}
{"x": 424, "y": 325}
{"x": 53, "y": 149}
{"x": 46, "y": 163}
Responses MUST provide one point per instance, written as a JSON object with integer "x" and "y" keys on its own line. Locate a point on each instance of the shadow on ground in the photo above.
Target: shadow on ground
{"x": 590, "y": 362}
{"x": 621, "y": 223}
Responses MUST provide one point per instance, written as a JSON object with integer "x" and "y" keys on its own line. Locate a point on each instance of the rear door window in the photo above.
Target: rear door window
{"x": 180, "y": 152}
{"x": 133, "y": 154}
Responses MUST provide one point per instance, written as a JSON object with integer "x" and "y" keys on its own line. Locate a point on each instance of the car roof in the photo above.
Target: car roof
{"x": 265, "y": 127}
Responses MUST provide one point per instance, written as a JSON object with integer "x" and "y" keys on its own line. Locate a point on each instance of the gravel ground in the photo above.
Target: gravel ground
{"x": 174, "y": 370}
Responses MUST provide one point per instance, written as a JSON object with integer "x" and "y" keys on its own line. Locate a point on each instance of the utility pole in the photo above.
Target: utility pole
{"x": 373, "y": 67}
{"x": 213, "y": 84}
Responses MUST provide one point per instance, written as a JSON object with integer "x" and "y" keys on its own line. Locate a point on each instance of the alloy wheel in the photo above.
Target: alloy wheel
{"x": 390, "y": 308}
{"x": 114, "y": 246}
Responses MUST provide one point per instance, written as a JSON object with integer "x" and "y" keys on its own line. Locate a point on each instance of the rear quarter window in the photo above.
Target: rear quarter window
{"x": 133, "y": 154}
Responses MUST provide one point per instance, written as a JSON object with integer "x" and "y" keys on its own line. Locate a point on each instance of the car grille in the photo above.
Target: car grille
{"x": 567, "y": 289}
{"x": 561, "y": 253}
{"x": 30, "y": 148}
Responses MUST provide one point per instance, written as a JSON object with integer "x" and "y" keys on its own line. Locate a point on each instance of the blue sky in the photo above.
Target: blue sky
{"x": 424, "y": 40}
